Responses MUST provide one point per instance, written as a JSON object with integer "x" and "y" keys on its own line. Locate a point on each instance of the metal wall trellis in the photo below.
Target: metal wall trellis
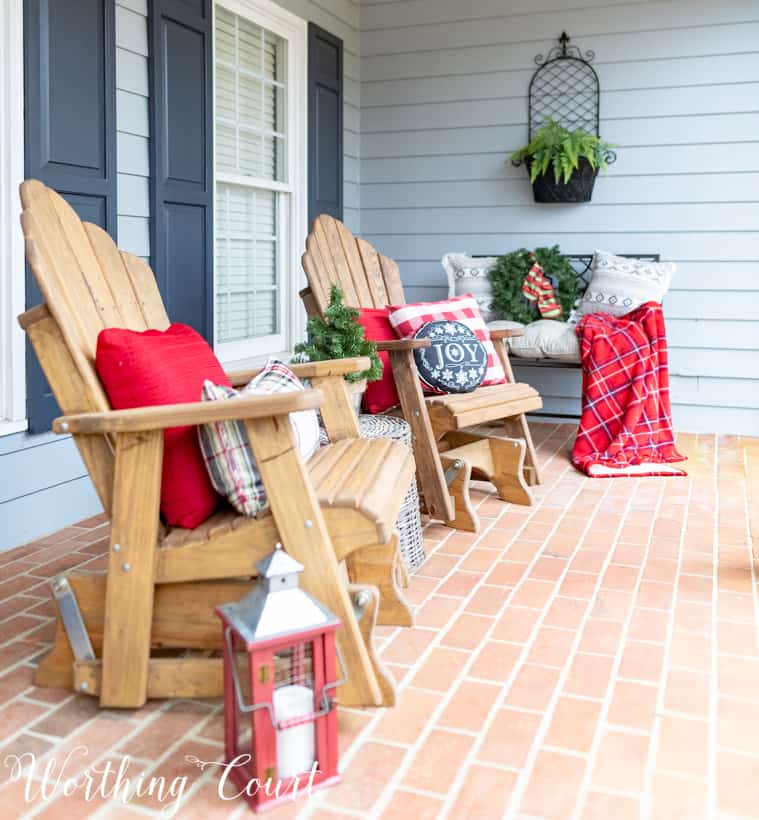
{"x": 565, "y": 88}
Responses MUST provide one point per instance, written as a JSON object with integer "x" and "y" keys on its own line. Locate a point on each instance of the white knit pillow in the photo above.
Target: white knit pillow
{"x": 619, "y": 285}
{"x": 469, "y": 275}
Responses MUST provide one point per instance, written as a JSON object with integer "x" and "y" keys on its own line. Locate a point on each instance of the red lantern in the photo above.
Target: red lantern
{"x": 280, "y": 720}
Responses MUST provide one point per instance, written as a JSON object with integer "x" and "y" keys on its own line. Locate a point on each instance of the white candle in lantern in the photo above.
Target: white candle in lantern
{"x": 295, "y": 746}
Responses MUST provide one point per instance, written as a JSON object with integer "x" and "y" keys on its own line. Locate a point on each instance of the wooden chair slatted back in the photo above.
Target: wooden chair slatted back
{"x": 87, "y": 283}
{"x": 335, "y": 256}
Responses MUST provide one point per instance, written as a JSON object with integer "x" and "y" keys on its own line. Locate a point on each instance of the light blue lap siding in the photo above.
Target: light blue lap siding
{"x": 43, "y": 487}
{"x": 132, "y": 124}
{"x": 443, "y": 95}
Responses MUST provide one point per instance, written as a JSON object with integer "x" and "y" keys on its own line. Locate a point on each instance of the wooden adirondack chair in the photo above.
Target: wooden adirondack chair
{"x": 161, "y": 585}
{"x": 454, "y": 436}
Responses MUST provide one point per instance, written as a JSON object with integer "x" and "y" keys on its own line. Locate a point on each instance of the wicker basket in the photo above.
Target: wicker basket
{"x": 356, "y": 392}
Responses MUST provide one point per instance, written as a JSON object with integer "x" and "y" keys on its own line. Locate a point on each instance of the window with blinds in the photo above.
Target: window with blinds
{"x": 252, "y": 185}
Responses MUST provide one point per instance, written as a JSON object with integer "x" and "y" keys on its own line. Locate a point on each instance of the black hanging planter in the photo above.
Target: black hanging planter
{"x": 578, "y": 189}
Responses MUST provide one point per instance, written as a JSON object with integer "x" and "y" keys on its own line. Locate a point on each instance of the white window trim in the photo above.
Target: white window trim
{"x": 12, "y": 275}
{"x": 295, "y": 30}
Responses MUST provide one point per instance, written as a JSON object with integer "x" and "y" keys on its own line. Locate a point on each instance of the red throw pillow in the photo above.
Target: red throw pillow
{"x": 407, "y": 319}
{"x": 165, "y": 367}
{"x": 380, "y": 395}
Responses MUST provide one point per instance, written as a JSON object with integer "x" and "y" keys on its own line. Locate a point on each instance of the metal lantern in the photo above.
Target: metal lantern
{"x": 280, "y": 721}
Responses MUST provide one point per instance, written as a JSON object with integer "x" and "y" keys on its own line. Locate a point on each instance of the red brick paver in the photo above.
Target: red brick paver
{"x": 593, "y": 656}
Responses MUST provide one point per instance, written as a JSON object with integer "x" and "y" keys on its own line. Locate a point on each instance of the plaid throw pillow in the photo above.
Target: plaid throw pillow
{"x": 230, "y": 463}
{"x": 407, "y": 319}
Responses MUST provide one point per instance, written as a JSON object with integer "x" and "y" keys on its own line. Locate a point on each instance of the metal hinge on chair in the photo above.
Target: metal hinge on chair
{"x": 453, "y": 470}
{"x": 72, "y": 620}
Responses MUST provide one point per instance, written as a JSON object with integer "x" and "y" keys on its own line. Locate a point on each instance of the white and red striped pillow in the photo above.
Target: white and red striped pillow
{"x": 407, "y": 319}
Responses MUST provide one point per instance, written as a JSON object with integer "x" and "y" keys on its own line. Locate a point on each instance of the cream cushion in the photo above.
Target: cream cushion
{"x": 560, "y": 343}
{"x": 619, "y": 285}
{"x": 544, "y": 339}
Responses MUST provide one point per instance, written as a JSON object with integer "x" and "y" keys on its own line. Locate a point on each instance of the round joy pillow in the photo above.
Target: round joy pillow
{"x": 456, "y": 360}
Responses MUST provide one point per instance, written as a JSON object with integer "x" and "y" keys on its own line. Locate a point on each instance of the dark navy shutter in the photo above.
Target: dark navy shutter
{"x": 325, "y": 124}
{"x": 181, "y": 159}
{"x": 69, "y": 131}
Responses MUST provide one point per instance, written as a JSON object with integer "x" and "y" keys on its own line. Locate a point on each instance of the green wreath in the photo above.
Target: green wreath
{"x": 507, "y": 276}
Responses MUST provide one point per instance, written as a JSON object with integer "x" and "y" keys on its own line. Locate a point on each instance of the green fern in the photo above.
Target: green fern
{"x": 555, "y": 147}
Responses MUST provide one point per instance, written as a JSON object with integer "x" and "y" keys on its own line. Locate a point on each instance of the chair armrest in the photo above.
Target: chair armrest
{"x": 403, "y": 344}
{"x": 309, "y": 370}
{"x": 508, "y": 333}
{"x": 140, "y": 419}
{"x": 331, "y": 367}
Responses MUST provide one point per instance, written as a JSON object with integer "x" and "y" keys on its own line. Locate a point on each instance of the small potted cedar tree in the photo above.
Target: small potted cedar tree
{"x": 563, "y": 165}
{"x": 337, "y": 334}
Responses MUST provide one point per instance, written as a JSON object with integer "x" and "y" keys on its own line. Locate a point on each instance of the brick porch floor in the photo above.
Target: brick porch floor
{"x": 594, "y": 656}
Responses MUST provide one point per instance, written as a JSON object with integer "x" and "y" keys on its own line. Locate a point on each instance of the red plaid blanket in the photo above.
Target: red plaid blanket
{"x": 626, "y": 424}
